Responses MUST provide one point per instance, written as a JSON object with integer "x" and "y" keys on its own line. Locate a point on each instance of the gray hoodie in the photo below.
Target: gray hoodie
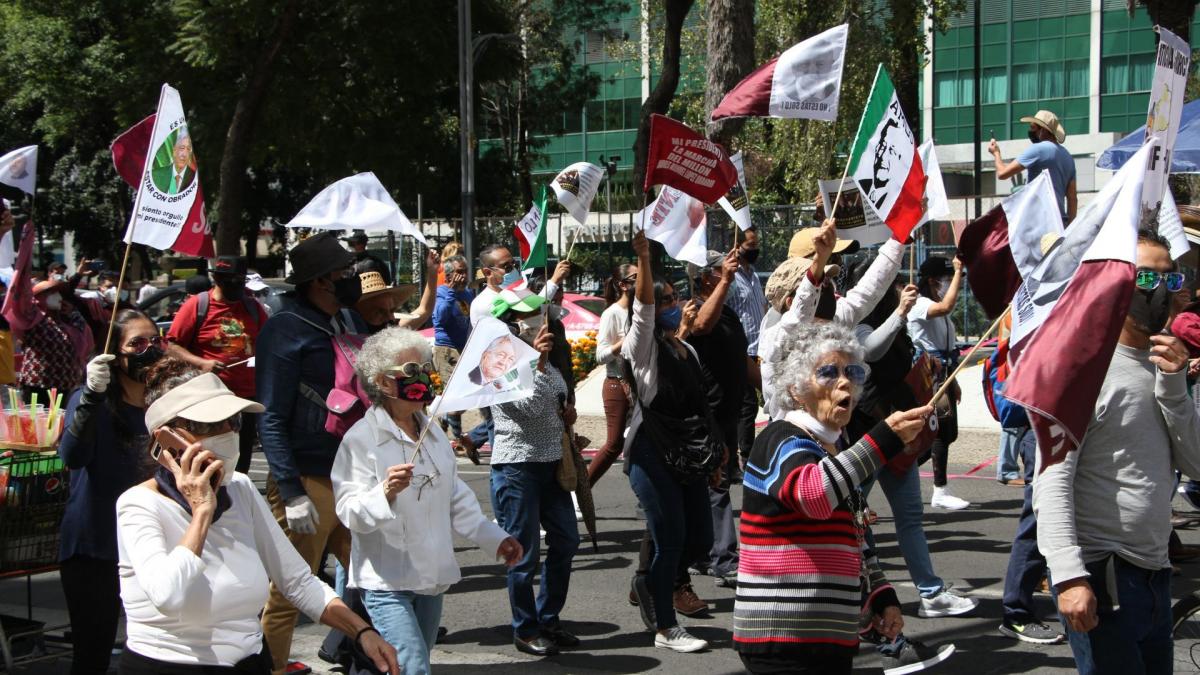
{"x": 1113, "y": 494}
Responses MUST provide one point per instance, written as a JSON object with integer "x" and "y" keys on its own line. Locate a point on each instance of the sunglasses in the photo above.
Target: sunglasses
{"x": 421, "y": 480}
{"x": 140, "y": 345}
{"x": 508, "y": 266}
{"x": 854, "y": 372}
{"x": 1148, "y": 280}
{"x": 411, "y": 369}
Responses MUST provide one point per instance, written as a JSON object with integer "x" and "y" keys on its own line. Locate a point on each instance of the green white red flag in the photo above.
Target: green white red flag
{"x": 884, "y": 160}
{"x": 531, "y": 235}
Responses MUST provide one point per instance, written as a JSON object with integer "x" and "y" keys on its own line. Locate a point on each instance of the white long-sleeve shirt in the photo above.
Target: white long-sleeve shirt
{"x": 204, "y": 610}
{"x": 850, "y": 310}
{"x": 407, "y": 544}
{"x": 614, "y": 325}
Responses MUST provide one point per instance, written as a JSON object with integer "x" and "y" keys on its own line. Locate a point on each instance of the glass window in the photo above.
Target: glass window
{"x": 945, "y": 90}
{"x": 1024, "y": 83}
{"x": 595, "y": 115}
{"x": 1077, "y": 78}
{"x": 995, "y": 85}
{"x": 633, "y": 112}
{"x": 1052, "y": 80}
{"x": 612, "y": 115}
{"x": 1141, "y": 72}
{"x": 573, "y": 122}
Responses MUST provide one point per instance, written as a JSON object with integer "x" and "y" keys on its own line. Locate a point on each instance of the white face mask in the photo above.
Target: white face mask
{"x": 529, "y": 326}
{"x": 54, "y": 302}
{"x": 227, "y": 448}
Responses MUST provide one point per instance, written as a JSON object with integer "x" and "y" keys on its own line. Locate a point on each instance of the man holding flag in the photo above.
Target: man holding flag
{"x": 1108, "y": 556}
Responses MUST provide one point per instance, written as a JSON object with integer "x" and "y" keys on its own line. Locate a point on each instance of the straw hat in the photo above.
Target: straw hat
{"x": 374, "y": 286}
{"x": 1048, "y": 121}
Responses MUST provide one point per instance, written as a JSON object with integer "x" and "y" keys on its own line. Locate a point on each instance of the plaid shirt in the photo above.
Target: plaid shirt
{"x": 48, "y": 357}
{"x": 746, "y": 297}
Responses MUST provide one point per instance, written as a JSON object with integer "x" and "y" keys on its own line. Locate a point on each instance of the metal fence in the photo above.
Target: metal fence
{"x": 599, "y": 250}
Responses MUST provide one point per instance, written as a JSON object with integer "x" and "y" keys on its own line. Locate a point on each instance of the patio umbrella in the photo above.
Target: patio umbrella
{"x": 1185, "y": 158}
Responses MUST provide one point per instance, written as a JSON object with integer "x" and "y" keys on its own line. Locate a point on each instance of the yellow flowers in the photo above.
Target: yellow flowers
{"x": 583, "y": 355}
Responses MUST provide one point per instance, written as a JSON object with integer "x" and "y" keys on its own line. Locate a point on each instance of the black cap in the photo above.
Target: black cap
{"x": 317, "y": 256}
{"x": 936, "y": 266}
{"x": 359, "y": 237}
{"x": 229, "y": 264}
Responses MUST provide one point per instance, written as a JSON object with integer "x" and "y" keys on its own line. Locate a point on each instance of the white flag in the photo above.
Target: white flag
{"x": 1169, "y": 224}
{"x": 575, "y": 187}
{"x": 19, "y": 168}
{"x": 495, "y": 367}
{"x": 803, "y": 82}
{"x": 938, "y": 206}
{"x": 678, "y": 222}
{"x": 358, "y": 202}
{"x": 736, "y": 202}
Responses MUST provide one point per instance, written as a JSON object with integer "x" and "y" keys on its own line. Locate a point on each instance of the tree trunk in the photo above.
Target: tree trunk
{"x": 1174, "y": 15}
{"x": 730, "y": 58}
{"x": 524, "y": 171}
{"x": 239, "y": 135}
{"x": 906, "y": 27}
{"x": 663, "y": 93}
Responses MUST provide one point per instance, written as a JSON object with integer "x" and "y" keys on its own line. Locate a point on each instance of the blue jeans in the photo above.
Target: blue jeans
{"x": 409, "y": 622}
{"x": 1026, "y": 564}
{"x": 484, "y": 431}
{"x": 679, "y": 518}
{"x": 1006, "y": 467}
{"x": 1134, "y": 639}
{"x": 904, "y": 495}
{"x": 524, "y": 496}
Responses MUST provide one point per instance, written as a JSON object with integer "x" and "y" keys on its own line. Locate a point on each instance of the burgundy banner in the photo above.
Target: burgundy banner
{"x": 687, "y": 161}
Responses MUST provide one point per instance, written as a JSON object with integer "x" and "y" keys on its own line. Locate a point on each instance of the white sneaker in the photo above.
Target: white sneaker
{"x": 942, "y": 499}
{"x": 679, "y": 640}
{"x": 946, "y": 604}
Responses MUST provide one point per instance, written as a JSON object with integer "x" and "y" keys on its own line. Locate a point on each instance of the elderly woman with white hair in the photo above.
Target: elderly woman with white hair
{"x": 804, "y": 558}
{"x": 404, "y": 502}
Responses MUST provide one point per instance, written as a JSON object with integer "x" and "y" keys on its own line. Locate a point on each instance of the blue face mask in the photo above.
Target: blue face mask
{"x": 511, "y": 277}
{"x": 670, "y": 318}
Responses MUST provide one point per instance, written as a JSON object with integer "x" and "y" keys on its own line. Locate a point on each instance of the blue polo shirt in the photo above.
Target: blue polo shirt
{"x": 452, "y": 317}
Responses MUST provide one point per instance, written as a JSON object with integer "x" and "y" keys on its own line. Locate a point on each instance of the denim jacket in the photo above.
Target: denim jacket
{"x": 291, "y": 351}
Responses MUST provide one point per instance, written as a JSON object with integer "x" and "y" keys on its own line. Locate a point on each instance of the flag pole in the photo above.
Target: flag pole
{"x": 830, "y": 212}
{"x": 137, "y": 203}
{"x": 437, "y": 403}
{"x": 961, "y": 364}
{"x": 912, "y": 259}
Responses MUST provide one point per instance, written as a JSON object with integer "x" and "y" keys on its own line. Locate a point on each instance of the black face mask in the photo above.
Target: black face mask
{"x": 1033, "y": 137}
{"x": 750, "y": 255}
{"x": 348, "y": 290}
{"x": 231, "y": 290}
{"x": 138, "y": 364}
{"x": 1151, "y": 309}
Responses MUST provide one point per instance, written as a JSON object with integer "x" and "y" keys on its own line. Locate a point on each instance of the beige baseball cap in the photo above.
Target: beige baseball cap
{"x": 204, "y": 398}
{"x": 801, "y": 245}
{"x": 1048, "y": 121}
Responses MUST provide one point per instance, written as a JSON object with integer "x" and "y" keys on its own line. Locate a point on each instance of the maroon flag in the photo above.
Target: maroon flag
{"x": 1066, "y": 337}
{"x": 687, "y": 161}
{"x": 129, "y": 159}
{"x": 1005, "y": 244}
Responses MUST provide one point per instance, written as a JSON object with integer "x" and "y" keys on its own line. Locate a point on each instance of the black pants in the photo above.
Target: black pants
{"x": 831, "y": 663}
{"x": 136, "y": 664}
{"x": 247, "y": 437}
{"x": 723, "y": 558}
{"x": 93, "y": 593}
{"x": 745, "y": 426}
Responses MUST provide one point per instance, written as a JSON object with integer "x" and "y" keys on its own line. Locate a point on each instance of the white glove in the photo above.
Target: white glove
{"x": 301, "y": 515}
{"x": 99, "y": 374}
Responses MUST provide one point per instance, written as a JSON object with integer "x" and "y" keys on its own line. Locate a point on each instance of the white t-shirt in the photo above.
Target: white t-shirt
{"x": 614, "y": 324}
{"x": 930, "y": 335}
{"x": 184, "y": 609}
{"x": 481, "y": 306}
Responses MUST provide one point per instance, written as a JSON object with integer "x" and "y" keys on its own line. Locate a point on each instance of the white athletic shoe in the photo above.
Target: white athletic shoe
{"x": 942, "y": 499}
{"x": 946, "y": 604}
{"x": 678, "y": 639}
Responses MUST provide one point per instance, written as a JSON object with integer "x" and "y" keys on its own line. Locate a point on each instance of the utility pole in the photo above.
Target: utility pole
{"x": 978, "y": 118}
{"x": 466, "y": 131}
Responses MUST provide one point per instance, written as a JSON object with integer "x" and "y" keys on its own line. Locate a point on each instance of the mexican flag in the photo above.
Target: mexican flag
{"x": 531, "y": 235}
{"x": 884, "y": 160}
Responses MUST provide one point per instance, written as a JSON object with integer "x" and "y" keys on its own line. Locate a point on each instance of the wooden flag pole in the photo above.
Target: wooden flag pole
{"x": 961, "y": 364}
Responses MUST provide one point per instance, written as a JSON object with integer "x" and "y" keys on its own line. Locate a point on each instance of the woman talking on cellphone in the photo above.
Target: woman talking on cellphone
{"x": 198, "y": 546}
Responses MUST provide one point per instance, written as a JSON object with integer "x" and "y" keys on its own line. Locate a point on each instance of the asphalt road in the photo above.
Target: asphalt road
{"x": 969, "y": 548}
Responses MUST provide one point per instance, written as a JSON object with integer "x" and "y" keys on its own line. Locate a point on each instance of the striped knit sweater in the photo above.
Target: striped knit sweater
{"x": 800, "y": 586}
